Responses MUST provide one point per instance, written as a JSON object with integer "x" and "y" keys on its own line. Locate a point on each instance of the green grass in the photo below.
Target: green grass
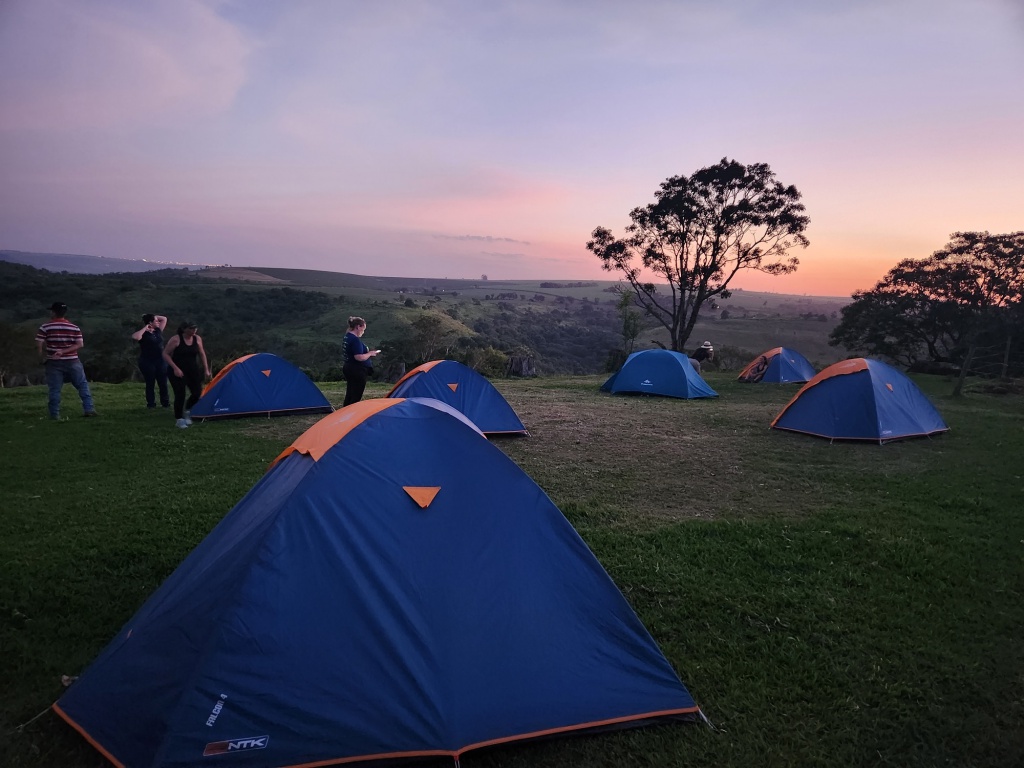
{"x": 826, "y": 604}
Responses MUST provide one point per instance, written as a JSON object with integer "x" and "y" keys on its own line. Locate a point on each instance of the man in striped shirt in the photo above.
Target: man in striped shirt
{"x": 59, "y": 341}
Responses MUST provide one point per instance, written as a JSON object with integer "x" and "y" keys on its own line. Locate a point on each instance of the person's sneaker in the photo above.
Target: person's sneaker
{"x": 90, "y": 414}
{"x": 181, "y": 424}
{"x": 151, "y": 405}
{"x": 188, "y": 418}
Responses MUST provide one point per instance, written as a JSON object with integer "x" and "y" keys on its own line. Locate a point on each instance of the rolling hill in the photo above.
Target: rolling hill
{"x": 567, "y": 327}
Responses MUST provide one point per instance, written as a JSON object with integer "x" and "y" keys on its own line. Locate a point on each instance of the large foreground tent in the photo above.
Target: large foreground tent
{"x": 259, "y": 384}
{"x": 465, "y": 390}
{"x": 658, "y": 372}
{"x": 861, "y": 399}
{"x": 778, "y": 366}
{"x": 393, "y": 587}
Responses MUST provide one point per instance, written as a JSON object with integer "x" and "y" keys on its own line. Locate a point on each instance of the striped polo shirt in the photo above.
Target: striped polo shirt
{"x": 59, "y": 334}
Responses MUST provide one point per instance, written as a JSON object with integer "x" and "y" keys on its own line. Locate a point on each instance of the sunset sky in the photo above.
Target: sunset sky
{"x": 454, "y": 138}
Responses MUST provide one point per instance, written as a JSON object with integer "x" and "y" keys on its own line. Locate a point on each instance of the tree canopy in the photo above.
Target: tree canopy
{"x": 698, "y": 234}
{"x": 936, "y": 308}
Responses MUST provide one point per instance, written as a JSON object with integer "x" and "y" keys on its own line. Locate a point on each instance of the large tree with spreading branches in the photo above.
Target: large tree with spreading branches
{"x": 939, "y": 307}
{"x": 683, "y": 250}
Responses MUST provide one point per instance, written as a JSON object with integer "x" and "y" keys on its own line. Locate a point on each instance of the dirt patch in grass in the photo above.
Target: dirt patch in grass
{"x": 643, "y": 461}
{"x": 279, "y": 429}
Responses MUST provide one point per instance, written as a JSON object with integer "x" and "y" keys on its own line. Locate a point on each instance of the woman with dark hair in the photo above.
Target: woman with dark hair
{"x": 151, "y": 358}
{"x": 358, "y": 363}
{"x": 183, "y": 354}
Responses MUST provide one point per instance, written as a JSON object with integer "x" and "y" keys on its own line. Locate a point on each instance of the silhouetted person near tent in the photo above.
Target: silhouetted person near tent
{"x": 358, "y": 361}
{"x": 59, "y": 341}
{"x": 183, "y": 353}
{"x": 704, "y": 352}
{"x": 151, "y": 358}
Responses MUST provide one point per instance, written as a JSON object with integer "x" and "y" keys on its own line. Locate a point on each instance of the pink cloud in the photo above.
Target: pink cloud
{"x": 101, "y": 65}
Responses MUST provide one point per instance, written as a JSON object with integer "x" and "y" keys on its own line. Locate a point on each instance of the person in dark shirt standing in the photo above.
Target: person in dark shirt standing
{"x": 59, "y": 341}
{"x": 183, "y": 354}
{"x": 151, "y": 358}
{"x": 358, "y": 363}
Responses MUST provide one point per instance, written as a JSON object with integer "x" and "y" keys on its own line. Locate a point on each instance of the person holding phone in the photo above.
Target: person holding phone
{"x": 358, "y": 361}
{"x": 151, "y": 358}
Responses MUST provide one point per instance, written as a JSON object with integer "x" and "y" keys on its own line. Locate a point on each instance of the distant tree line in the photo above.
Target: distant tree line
{"x": 234, "y": 320}
{"x": 959, "y": 309}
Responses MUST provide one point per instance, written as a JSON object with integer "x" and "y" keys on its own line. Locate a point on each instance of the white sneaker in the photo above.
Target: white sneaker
{"x": 188, "y": 418}
{"x": 181, "y": 424}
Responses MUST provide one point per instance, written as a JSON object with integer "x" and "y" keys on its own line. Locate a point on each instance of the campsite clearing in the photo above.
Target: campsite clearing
{"x": 825, "y": 604}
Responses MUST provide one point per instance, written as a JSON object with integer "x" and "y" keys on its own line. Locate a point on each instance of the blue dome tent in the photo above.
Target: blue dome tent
{"x": 778, "y": 366}
{"x": 393, "y": 587}
{"x": 259, "y": 384}
{"x": 464, "y": 389}
{"x": 658, "y": 372}
{"x": 861, "y": 399}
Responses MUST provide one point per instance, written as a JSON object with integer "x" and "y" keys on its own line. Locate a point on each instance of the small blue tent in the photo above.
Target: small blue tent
{"x": 465, "y": 390}
{"x": 658, "y": 372}
{"x": 259, "y": 384}
{"x": 778, "y": 366}
{"x": 393, "y": 587}
{"x": 861, "y": 399}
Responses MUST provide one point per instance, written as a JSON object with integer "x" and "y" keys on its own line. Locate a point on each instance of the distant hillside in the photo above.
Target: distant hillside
{"x": 566, "y": 327}
{"x": 82, "y": 264}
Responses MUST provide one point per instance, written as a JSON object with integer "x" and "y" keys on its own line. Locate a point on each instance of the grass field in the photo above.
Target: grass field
{"x": 826, "y": 604}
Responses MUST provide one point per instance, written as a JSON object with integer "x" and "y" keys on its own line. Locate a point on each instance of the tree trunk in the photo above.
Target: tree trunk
{"x": 520, "y": 366}
{"x": 1005, "y": 374}
{"x": 393, "y": 372}
{"x": 957, "y": 390}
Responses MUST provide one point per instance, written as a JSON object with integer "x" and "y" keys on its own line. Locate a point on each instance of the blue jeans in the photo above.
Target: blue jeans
{"x": 154, "y": 372}
{"x": 59, "y": 372}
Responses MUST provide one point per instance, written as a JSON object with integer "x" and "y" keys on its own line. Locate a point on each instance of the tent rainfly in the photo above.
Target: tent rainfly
{"x": 464, "y": 389}
{"x": 256, "y": 385}
{"x": 778, "y": 366}
{"x": 658, "y": 372}
{"x": 393, "y": 587}
{"x": 861, "y": 399}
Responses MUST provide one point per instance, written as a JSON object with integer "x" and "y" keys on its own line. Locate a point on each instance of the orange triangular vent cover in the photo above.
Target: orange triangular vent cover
{"x": 453, "y": 387}
{"x": 266, "y": 373}
{"x": 422, "y": 495}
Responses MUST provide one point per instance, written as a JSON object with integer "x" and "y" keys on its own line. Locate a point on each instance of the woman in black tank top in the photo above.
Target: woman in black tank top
{"x": 184, "y": 353}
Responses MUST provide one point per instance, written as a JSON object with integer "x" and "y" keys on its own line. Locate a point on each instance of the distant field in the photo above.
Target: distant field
{"x": 565, "y": 327}
{"x": 756, "y": 321}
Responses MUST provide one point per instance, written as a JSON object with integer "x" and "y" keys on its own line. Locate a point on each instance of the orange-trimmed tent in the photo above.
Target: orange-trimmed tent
{"x": 778, "y": 366}
{"x": 464, "y": 389}
{"x": 256, "y": 385}
{"x": 394, "y": 587}
{"x": 861, "y": 399}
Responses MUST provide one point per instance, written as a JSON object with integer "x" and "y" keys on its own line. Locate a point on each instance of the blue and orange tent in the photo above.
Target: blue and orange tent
{"x": 464, "y": 389}
{"x": 861, "y": 399}
{"x": 393, "y": 587}
{"x": 780, "y": 365}
{"x": 658, "y": 372}
{"x": 259, "y": 384}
